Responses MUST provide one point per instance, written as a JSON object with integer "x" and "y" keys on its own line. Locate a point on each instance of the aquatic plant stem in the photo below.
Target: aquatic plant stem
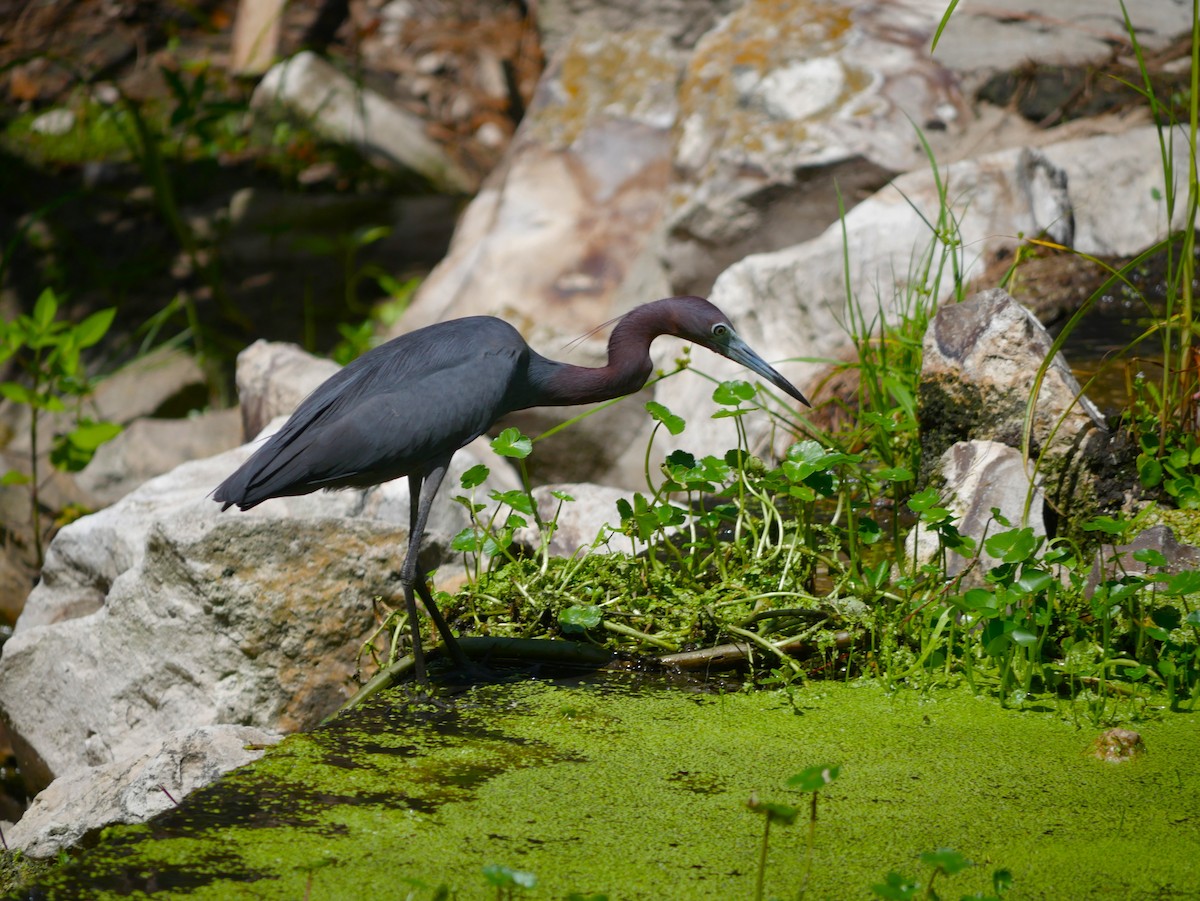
{"x": 808, "y": 851}
{"x": 630, "y": 632}
{"x": 766, "y": 646}
{"x": 762, "y": 859}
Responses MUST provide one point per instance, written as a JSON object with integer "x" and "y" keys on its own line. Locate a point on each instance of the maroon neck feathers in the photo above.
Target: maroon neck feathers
{"x": 628, "y": 366}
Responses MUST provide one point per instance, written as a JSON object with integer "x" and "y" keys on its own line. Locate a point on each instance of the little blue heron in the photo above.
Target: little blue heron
{"x": 405, "y": 407}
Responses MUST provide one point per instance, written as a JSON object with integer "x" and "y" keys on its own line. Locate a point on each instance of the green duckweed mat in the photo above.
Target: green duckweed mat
{"x": 633, "y": 791}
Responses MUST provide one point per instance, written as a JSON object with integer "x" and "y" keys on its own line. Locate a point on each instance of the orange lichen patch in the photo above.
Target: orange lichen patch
{"x": 627, "y": 77}
{"x": 723, "y": 88}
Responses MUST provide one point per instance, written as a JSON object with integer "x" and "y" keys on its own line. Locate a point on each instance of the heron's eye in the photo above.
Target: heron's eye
{"x": 720, "y": 330}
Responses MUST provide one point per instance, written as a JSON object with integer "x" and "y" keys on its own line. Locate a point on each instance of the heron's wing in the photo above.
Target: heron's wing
{"x": 391, "y": 412}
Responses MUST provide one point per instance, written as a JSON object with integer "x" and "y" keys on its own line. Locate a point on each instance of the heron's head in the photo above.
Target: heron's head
{"x": 696, "y": 319}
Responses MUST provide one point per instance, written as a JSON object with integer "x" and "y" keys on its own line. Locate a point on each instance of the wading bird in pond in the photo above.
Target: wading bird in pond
{"x": 405, "y": 407}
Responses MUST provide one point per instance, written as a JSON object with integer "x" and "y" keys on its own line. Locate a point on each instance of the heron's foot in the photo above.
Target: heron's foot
{"x": 465, "y": 671}
{"x": 416, "y": 699}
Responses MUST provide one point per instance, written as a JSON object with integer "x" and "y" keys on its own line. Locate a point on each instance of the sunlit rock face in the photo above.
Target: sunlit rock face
{"x": 560, "y": 232}
{"x": 779, "y": 102}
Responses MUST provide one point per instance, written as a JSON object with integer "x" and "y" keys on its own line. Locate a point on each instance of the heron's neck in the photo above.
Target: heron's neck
{"x": 628, "y": 367}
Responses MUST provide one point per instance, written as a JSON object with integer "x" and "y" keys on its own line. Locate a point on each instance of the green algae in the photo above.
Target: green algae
{"x": 639, "y": 792}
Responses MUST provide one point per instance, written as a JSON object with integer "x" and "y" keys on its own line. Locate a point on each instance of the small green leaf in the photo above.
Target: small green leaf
{"x": 681, "y": 459}
{"x": 1002, "y": 881}
{"x": 923, "y": 500}
{"x": 776, "y": 813}
{"x": 895, "y": 474}
{"x": 659, "y": 413}
{"x": 1186, "y": 582}
{"x": 494, "y": 545}
{"x": 15, "y": 477}
{"x": 896, "y": 887}
{"x": 1150, "y": 556}
{"x": 869, "y": 531}
{"x": 88, "y": 435}
{"x": 733, "y": 393}
{"x": 365, "y": 236}
{"x": 17, "y": 393}
{"x": 807, "y": 451}
{"x": 669, "y": 515}
{"x": 814, "y": 778}
{"x": 947, "y": 860}
{"x": 579, "y": 618}
{"x": 1024, "y": 637}
{"x": 474, "y": 477}
{"x": 980, "y": 599}
{"x": 1106, "y": 524}
{"x": 511, "y": 443}
{"x": 1013, "y": 546}
{"x": 472, "y": 508}
{"x": 466, "y": 542}
{"x": 94, "y": 327}
{"x": 1034, "y": 580}
{"x": 45, "y": 309}
{"x": 506, "y": 877}
{"x": 516, "y": 498}
{"x": 1150, "y": 471}
{"x": 995, "y": 639}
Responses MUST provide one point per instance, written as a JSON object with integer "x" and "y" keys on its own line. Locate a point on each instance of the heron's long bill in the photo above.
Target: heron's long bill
{"x": 740, "y": 352}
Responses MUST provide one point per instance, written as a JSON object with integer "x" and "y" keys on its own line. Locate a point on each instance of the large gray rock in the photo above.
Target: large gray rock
{"x": 561, "y": 233}
{"x": 133, "y": 789}
{"x": 979, "y": 375}
{"x": 981, "y": 358}
{"x": 272, "y": 378}
{"x": 1115, "y": 562}
{"x": 1007, "y": 34}
{"x": 309, "y": 87}
{"x": 782, "y": 105}
{"x": 160, "y": 612}
{"x": 1096, "y": 194}
{"x": 976, "y": 477}
{"x": 86, "y": 558}
{"x": 151, "y": 447}
{"x": 161, "y": 379}
{"x": 1115, "y": 193}
{"x": 683, "y": 21}
{"x": 234, "y": 620}
{"x": 792, "y": 303}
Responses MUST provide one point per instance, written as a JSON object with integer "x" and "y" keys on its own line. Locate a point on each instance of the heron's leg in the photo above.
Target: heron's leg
{"x": 422, "y": 490}
{"x": 408, "y": 576}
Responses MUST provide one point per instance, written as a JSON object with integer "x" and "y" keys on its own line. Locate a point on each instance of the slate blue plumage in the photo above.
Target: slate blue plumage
{"x": 405, "y": 407}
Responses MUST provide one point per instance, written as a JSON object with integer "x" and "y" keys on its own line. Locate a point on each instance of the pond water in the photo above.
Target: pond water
{"x": 637, "y": 790}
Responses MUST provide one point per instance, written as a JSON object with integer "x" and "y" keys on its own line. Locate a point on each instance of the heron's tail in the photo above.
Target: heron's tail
{"x": 235, "y": 490}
